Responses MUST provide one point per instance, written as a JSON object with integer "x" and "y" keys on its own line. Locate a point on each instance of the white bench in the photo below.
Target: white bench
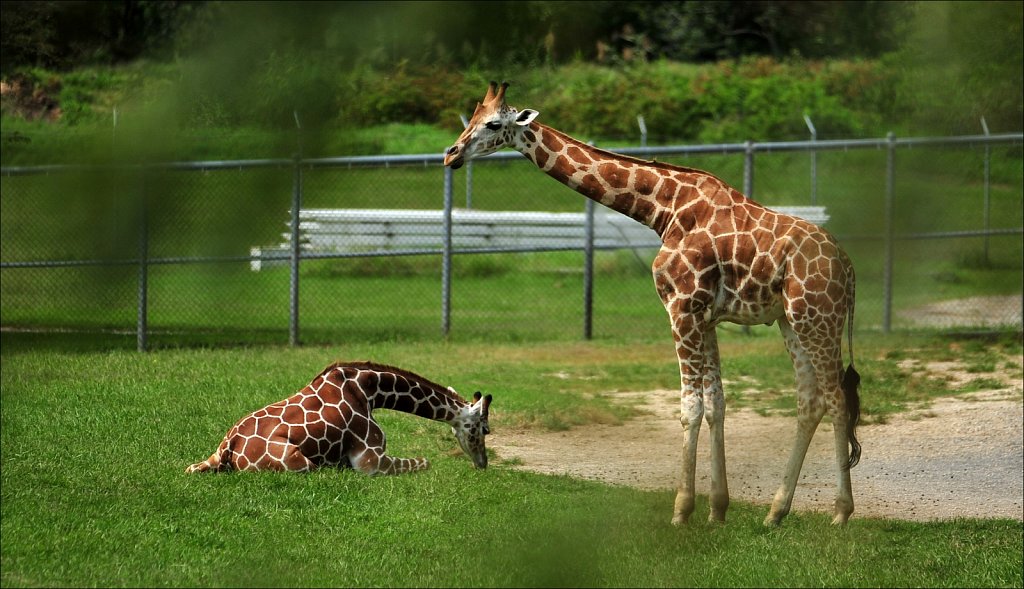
{"x": 390, "y": 230}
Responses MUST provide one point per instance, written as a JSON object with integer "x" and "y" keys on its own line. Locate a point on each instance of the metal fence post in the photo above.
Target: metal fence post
{"x": 986, "y": 208}
{"x": 890, "y": 190}
{"x": 814, "y": 161}
{"x": 748, "y": 169}
{"x": 142, "y": 319}
{"x": 293, "y": 297}
{"x": 446, "y": 256}
{"x": 588, "y": 270}
{"x": 469, "y": 170}
{"x": 643, "y": 130}
{"x": 748, "y": 187}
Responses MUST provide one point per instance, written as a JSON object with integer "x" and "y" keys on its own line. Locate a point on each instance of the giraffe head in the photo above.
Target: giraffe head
{"x": 494, "y": 125}
{"x": 470, "y": 428}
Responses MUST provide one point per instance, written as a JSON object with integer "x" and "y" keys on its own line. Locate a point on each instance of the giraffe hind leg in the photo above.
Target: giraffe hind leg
{"x": 847, "y": 448}
{"x": 810, "y": 410}
{"x": 203, "y": 466}
{"x": 837, "y": 388}
{"x": 215, "y": 462}
{"x": 294, "y": 460}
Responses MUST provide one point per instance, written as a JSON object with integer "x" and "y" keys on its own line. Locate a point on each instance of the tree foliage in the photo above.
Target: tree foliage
{"x": 963, "y": 61}
{"x": 708, "y": 31}
{"x": 923, "y": 66}
{"x": 63, "y": 34}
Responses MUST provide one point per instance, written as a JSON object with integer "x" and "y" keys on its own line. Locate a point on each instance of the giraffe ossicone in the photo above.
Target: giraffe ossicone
{"x": 724, "y": 258}
{"x": 330, "y": 423}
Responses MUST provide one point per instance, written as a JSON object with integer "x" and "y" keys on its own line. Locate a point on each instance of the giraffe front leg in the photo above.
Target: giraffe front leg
{"x": 689, "y": 348}
{"x": 686, "y": 296}
{"x": 368, "y": 453}
{"x": 714, "y": 413}
{"x": 389, "y": 465}
{"x": 692, "y": 410}
{"x": 374, "y": 461}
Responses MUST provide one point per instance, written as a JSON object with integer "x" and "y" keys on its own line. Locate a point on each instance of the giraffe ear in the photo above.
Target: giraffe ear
{"x": 526, "y": 116}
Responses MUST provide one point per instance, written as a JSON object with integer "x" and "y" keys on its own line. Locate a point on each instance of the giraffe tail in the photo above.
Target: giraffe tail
{"x": 851, "y": 381}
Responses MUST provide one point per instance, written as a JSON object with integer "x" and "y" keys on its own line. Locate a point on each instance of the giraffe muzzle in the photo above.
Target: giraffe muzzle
{"x": 453, "y": 157}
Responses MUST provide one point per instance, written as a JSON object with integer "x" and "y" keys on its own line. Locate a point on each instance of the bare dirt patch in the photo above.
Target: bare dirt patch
{"x": 959, "y": 457}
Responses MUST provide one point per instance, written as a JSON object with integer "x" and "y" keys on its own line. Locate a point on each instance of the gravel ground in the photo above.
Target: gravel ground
{"x": 959, "y": 457}
{"x": 986, "y": 311}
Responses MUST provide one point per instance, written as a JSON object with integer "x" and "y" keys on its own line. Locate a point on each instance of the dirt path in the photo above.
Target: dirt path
{"x": 960, "y": 457}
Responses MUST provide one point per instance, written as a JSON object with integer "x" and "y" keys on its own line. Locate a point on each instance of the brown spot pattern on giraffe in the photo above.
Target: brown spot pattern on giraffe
{"x": 590, "y": 186}
{"x": 578, "y": 155}
{"x": 552, "y": 142}
{"x": 615, "y": 176}
{"x": 541, "y": 157}
{"x": 563, "y": 167}
{"x": 644, "y": 182}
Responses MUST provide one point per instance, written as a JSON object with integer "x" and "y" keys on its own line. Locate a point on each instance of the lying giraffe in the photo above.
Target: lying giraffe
{"x": 724, "y": 258}
{"x": 330, "y": 423}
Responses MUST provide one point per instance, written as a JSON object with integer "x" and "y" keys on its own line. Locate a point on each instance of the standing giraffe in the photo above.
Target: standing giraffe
{"x": 724, "y": 258}
{"x": 330, "y": 423}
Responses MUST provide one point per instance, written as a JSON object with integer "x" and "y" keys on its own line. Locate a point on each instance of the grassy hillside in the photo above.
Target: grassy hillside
{"x": 201, "y": 112}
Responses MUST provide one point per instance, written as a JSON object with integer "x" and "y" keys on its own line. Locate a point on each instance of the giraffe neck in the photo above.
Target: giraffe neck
{"x": 628, "y": 185}
{"x": 392, "y": 388}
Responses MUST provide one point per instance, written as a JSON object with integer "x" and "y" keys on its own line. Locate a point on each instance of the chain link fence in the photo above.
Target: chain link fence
{"x": 399, "y": 248}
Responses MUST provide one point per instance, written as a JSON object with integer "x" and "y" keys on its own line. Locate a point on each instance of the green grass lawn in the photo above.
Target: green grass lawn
{"x": 518, "y": 297}
{"x": 94, "y": 444}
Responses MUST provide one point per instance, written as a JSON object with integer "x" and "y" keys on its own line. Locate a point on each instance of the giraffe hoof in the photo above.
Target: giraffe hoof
{"x": 772, "y": 521}
{"x": 840, "y": 519}
{"x": 679, "y": 520}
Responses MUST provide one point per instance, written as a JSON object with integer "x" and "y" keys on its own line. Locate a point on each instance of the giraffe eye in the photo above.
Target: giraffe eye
{"x": 493, "y": 125}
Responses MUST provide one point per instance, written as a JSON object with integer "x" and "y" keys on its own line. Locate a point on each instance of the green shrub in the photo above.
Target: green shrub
{"x": 404, "y": 95}
{"x": 599, "y": 101}
{"x": 214, "y": 109}
{"x": 765, "y": 100}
